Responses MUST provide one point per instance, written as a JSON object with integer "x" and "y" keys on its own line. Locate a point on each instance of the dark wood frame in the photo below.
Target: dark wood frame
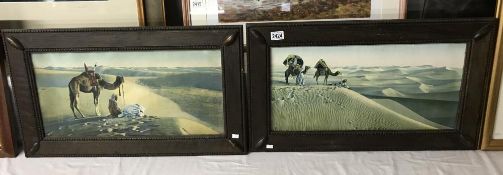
{"x": 8, "y": 144}
{"x": 21, "y": 43}
{"x": 479, "y": 34}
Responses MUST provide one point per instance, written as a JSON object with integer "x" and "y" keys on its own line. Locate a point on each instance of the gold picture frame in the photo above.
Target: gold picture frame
{"x": 488, "y": 140}
{"x": 152, "y": 12}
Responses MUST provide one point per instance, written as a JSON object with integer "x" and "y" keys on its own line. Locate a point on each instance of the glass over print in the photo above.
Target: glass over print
{"x": 280, "y": 10}
{"x": 212, "y": 12}
{"x": 130, "y": 93}
{"x": 366, "y": 87}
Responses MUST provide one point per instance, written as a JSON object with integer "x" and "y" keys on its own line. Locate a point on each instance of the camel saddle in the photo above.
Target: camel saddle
{"x": 93, "y": 77}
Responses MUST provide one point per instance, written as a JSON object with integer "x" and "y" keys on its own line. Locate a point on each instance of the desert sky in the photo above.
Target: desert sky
{"x": 439, "y": 55}
{"x": 165, "y": 58}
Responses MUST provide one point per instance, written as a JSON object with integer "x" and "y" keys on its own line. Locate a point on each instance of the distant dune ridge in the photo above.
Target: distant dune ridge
{"x": 392, "y": 93}
{"x": 423, "y": 82}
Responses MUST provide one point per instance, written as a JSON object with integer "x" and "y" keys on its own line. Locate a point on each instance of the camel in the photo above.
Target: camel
{"x": 89, "y": 82}
{"x": 326, "y": 71}
{"x": 297, "y": 72}
{"x": 295, "y": 63}
{"x": 323, "y": 69}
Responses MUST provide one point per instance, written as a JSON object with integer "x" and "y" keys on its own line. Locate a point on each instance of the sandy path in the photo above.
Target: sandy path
{"x": 163, "y": 107}
{"x": 157, "y": 105}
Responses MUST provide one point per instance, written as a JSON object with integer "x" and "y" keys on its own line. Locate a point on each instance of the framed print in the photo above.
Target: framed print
{"x": 65, "y": 14}
{"x": 213, "y": 12}
{"x": 154, "y": 12}
{"x": 493, "y": 126}
{"x": 8, "y": 143}
{"x": 128, "y": 91}
{"x": 369, "y": 85}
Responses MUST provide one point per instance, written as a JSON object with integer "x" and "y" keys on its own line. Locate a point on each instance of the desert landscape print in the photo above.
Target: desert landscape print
{"x": 128, "y": 94}
{"x": 366, "y": 87}
{"x": 280, "y": 10}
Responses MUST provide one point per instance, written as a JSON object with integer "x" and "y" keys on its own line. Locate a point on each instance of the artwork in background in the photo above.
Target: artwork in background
{"x": 281, "y": 10}
{"x": 134, "y": 93}
{"x": 70, "y": 13}
{"x": 215, "y": 12}
{"x": 366, "y": 87}
{"x": 44, "y": 0}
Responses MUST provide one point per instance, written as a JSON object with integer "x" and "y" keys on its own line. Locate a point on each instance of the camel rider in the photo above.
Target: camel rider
{"x": 294, "y": 61}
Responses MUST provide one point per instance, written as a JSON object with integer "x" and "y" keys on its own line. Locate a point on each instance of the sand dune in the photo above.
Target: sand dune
{"x": 47, "y": 71}
{"x": 399, "y": 108}
{"x": 431, "y": 81}
{"x": 392, "y": 93}
{"x": 318, "y": 108}
{"x": 377, "y": 77}
{"x": 449, "y": 87}
{"x": 191, "y": 127}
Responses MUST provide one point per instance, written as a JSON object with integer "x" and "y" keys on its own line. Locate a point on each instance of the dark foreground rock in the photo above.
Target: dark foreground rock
{"x": 113, "y": 127}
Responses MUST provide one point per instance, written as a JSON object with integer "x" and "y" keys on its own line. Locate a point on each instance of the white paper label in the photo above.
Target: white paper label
{"x": 197, "y": 3}
{"x": 269, "y": 146}
{"x": 285, "y": 7}
{"x": 278, "y": 35}
{"x": 235, "y": 136}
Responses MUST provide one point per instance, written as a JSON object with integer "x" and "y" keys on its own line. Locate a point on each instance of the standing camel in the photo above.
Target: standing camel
{"x": 323, "y": 69}
{"x": 89, "y": 82}
{"x": 327, "y": 72}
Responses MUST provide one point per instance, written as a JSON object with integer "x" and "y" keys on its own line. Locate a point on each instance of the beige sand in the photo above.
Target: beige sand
{"x": 55, "y": 103}
{"x": 191, "y": 127}
{"x": 319, "y": 108}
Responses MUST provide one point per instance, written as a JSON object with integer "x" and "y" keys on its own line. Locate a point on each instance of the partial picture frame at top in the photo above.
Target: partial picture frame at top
{"x": 234, "y": 12}
{"x": 75, "y": 14}
{"x": 369, "y": 85}
{"x": 493, "y": 125}
{"x": 154, "y": 12}
{"x": 128, "y": 91}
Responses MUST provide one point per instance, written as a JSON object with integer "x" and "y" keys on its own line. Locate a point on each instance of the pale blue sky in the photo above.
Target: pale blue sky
{"x": 192, "y": 58}
{"x": 449, "y": 55}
